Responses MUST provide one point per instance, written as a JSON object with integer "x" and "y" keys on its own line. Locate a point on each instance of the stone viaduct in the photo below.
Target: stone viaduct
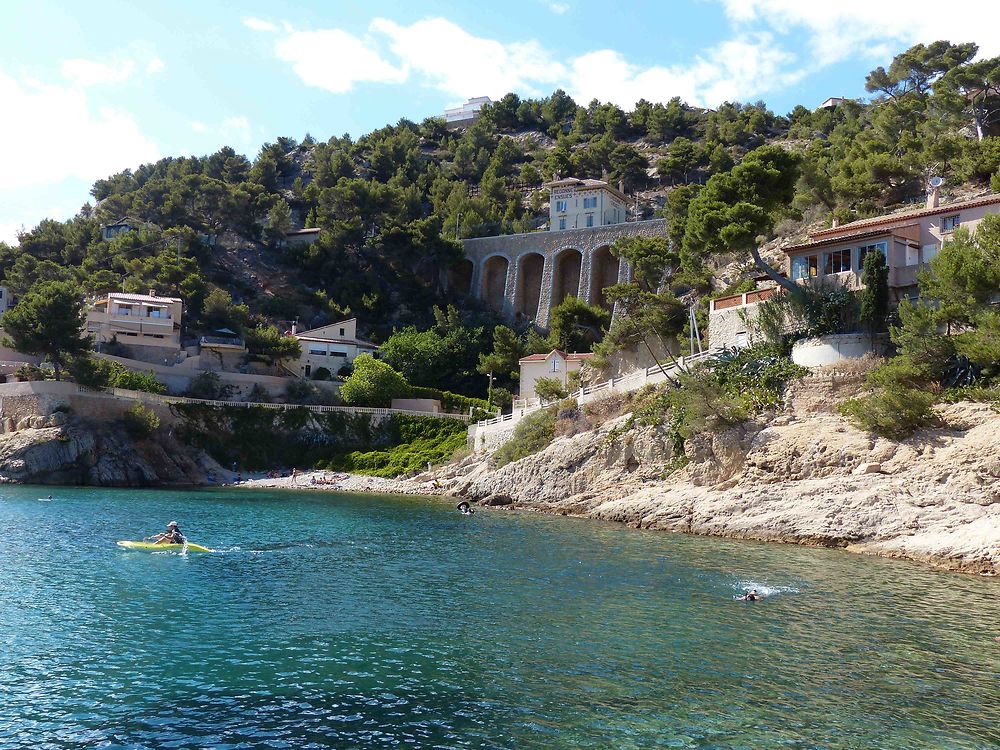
{"x": 526, "y": 275}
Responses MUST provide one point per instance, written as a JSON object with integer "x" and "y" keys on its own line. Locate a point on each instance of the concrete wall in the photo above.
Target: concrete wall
{"x": 430, "y": 405}
{"x": 503, "y": 274}
{"x": 828, "y": 350}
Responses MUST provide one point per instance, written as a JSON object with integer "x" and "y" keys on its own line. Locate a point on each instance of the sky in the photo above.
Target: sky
{"x": 88, "y": 89}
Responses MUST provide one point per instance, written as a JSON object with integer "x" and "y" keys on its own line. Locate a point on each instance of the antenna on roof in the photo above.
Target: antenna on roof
{"x": 933, "y": 195}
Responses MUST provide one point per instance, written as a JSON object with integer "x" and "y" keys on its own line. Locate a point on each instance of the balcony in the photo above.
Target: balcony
{"x": 742, "y": 300}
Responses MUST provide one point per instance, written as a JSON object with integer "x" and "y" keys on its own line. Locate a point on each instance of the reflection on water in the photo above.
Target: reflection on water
{"x": 349, "y": 621}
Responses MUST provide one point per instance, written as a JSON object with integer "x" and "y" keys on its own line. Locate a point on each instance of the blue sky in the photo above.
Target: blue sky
{"x": 89, "y": 89}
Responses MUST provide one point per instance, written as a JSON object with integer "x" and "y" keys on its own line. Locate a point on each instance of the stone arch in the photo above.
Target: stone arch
{"x": 460, "y": 277}
{"x": 566, "y": 275}
{"x": 494, "y": 282}
{"x": 603, "y": 273}
{"x": 530, "y": 267}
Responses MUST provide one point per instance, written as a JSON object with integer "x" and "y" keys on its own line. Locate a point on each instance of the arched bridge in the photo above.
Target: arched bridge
{"x": 526, "y": 275}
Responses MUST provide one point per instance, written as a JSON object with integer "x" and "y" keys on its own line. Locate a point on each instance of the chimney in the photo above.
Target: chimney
{"x": 835, "y": 223}
{"x": 621, "y": 186}
{"x": 152, "y": 292}
{"x": 934, "y": 197}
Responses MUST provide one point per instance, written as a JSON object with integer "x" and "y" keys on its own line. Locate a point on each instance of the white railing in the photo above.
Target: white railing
{"x": 633, "y": 381}
{"x": 159, "y": 398}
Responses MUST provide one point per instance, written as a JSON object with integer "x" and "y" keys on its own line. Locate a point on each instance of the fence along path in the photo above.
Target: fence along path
{"x": 158, "y": 398}
{"x": 626, "y": 383}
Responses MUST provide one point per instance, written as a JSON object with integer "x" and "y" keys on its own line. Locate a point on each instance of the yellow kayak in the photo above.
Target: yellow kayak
{"x": 153, "y": 547}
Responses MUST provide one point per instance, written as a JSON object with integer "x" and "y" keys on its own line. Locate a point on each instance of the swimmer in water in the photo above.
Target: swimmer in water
{"x": 465, "y": 508}
{"x": 750, "y": 596}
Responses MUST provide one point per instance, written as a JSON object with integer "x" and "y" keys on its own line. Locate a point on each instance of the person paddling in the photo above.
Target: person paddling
{"x": 172, "y": 535}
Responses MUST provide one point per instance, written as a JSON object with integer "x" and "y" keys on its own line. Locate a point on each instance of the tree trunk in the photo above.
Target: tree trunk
{"x": 786, "y": 284}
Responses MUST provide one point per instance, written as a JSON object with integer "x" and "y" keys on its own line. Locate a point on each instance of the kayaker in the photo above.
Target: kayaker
{"x": 172, "y": 535}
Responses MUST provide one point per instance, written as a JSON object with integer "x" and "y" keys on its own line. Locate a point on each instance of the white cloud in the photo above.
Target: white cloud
{"x": 79, "y": 141}
{"x": 92, "y": 73}
{"x": 235, "y": 129}
{"x": 846, "y": 28}
{"x": 463, "y": 65}
{"x": 258, "y": 25}
{"x": 155, "y": 65}
{"x": 559, "y": 8}
{"x": 335, "y": 60}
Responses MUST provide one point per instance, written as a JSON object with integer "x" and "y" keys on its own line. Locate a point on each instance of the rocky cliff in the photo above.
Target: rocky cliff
{"x": 804, "y": 476}
{"x": 58, "y": 450}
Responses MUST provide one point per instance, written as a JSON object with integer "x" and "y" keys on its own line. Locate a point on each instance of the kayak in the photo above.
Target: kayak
{"x": 153, "y": 547}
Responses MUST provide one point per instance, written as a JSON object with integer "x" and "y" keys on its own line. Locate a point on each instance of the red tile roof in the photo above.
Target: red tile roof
{"x": 984, "y": 200}
{"x": 824, "y": 242}
{"x": 571, "y": 357}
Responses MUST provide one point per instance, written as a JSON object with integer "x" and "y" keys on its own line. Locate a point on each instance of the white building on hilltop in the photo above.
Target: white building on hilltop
{"x": 468, "y": 113}
{"x": 578, "y": 204}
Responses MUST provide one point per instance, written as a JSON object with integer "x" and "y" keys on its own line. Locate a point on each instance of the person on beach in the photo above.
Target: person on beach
{"x": 465, "y": 508}
{"x": 172, "y": 535}
{"x": 295, "y": 476}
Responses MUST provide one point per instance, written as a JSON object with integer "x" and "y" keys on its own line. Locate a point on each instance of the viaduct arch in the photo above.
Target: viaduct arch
{"x": 529, "y": 274}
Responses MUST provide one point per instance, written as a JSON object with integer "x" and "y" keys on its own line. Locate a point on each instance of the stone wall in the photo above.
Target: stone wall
{"x": 724, "y": 326}
{"x": 562, "y": 252}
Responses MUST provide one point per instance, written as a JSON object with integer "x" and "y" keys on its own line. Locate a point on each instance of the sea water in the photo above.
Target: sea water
{"x": 349, "y": 621}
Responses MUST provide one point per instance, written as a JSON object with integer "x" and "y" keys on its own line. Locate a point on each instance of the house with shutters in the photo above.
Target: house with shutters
{"x": 556, "y": 364}
{"x": 836, "y": 255}
{"x": 330, "y": 347}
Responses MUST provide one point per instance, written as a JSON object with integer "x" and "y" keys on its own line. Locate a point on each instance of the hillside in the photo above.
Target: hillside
{"x": 392, "y": 202}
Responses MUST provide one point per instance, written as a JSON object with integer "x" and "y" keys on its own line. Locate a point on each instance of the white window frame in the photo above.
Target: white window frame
{"x": 882, "y": 245}
{"x": 950, "y": 223}
{"x": 554, "y": 364}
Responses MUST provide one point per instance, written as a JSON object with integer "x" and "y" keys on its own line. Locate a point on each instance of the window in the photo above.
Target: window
{"x": 317, "y": 351}
{"x": 553, "y": 365}
{"x": 562, "y": 223}
{"x": 865, "y": 249}
{"x": 950, "y": 223}
{"x": 341, "y": 331}
{"x": 339, "y": 354}
{"x": 590, "y": 202}
{"x": 837, "y": 261}
{"x": 912, "y": 256}
{"x": 590, "y": 220}
{"x": 560, "y": 206}
{"x": 929, "y": 252}
{"x": 308, "y": 370}
{"x": 805, "y": 267}
{"x": 741, "y": 340}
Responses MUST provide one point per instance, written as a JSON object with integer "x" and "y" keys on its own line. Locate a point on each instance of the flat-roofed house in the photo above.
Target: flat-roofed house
{"x": 146, "y": 326}
{"x": 556, "y": 364}
{"x": 331, "y": 347}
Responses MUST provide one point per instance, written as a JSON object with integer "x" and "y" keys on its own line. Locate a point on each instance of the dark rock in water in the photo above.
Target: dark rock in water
{"x": 496, "y": 500}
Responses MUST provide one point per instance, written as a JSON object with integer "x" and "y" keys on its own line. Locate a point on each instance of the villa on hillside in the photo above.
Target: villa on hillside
{"x": 575, "y": 203}
{"x": 6, "y": 300}
{"x": 330, "y": 347}
{"x": 556, "y": 364}
{"x": 836, "y": 255}
{"x": 146, "y": 326}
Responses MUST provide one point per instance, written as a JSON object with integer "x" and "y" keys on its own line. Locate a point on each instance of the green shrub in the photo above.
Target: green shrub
{"x": 302, "y": 391}
{"x": 532, "y": 434}
{"x": 419, "y": 441}
{"x": 259, "y": 395}
{"x": 321, "y": 373}
{"x": 208, "y": 385}
{"x": 28, "y": 372}
{"x": 893, "y": 413}
{"x": 141, "y": 421}
{"x": 106, "y": 373}
{"x": 373, "y": 383}
{"x": 549, "y": 389}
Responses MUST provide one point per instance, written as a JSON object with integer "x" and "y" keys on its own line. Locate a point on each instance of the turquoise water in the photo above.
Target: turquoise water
{"x": 366, "y": 622}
